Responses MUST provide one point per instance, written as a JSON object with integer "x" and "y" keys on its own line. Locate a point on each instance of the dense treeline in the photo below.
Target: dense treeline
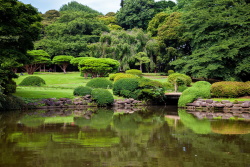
{"x": 207, "y": 39}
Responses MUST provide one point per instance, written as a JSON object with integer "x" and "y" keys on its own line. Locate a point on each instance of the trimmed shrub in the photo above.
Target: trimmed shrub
{"x": 170, "y": 72}
{"x": 82, "y": 91}
{"x": 228, "y": 89}
{"x": 168, "y": 86}
{"x": 102, "y": 97}
{"x": 112, "y": 76}
{"x": 247, "y": 88}
{"x": 134, "y": 72}
{"x": 100, "y": 83}
{"x": 178, "y": 79}
{"x": 32, "y": 81}
{"x": 128, "y": 84}
{"x": 125, "y": 76}
{"x": 199, "y": 89}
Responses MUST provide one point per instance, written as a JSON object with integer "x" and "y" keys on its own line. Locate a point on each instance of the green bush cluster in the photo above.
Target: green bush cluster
{"x": 102, "y": 97}
{"x": 199, "y": 89}
{"x": 32, "y": 81}
{"x": 100, "y": 83}
{"x": 112, "y": 76}
{"x": 125, "y": 87}
{"x": 82, "y": 91}
{"x": 230, "y": 89}
{"x": 125, "y": 76}
{"x": 134, "y": 72}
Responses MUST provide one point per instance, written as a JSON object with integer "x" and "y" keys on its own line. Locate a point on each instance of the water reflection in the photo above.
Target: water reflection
{"x": 157, "y": 136}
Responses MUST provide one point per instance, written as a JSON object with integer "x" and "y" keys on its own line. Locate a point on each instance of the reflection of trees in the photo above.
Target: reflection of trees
{"x": 32, "y": 121}
{"x": 198, "y": 126}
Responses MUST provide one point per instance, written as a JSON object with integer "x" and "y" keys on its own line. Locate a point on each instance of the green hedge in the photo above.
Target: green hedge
{"x": 125, "y": 76}
{"x": 230, "y": 89}
{"x": 102, "y": 97}
{"x": 199, "y": 89}
{"x": 32, "y": 81}
{"x": 125, "y": 87}
{"x": 100, "y": 83}
{"x": 134, "y": 72}
{"x": 82, "y": 91}
{"x": 112, "y": 76}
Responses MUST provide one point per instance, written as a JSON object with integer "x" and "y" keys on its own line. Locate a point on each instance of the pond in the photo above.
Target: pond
{"x": 152, "y": 137}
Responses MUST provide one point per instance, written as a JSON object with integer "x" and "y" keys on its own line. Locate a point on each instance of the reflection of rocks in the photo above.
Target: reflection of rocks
{"x": 128, "y": 105}
{"x": 224, "y": 105}
{"x": 220, "y": 115}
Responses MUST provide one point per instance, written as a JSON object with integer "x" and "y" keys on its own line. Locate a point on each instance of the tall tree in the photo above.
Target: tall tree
{"x": 20, "y": 27}
{"x": 220, "y": 41}
{"x": 71, "y": 33}
{"x": 135, "y": 13}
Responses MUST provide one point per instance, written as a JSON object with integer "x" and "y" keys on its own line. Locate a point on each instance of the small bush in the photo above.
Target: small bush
{"x": 170, "y": 72}
{"x": 125, "y": 76}
{"x": 178, "y": 79}
{"x": 112, "y": 76}
{"x": 129, "y": 84}
{"x": 82, "y": 91}
{"x": 134, "y": 72}
{"x": 100, "y": 83}
{"x": 228, "y": 89}
{"x": 168, "y": 86}
{"x": 9, "y": 102}
{"x": 247, "y": 88}
{"x": 199, "y": 89}
{"x": 102, "y": 97}
{"x": 32, "y": 81}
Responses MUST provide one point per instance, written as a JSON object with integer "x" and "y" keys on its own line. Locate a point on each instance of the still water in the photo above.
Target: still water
{"x": 152, "y": 137}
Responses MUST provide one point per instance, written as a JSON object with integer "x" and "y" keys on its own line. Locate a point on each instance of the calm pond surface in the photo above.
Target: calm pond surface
{"x": 156, "y": 136}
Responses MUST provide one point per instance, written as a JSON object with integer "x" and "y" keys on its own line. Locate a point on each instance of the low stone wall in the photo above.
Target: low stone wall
{"x": 81, "y": 102}
{"x": 224, "y": 105}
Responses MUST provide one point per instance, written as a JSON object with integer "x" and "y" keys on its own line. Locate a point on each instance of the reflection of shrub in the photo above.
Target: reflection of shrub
{"x": 198, "y": 126}
{"x": 82, "y": 91}
{"x": 199, "y": 89}
{"x": 230, "y": 127}
{"x": 32, "y": 81}
{"x": 134, "y": 72}
{"x": 102, "y": 97}
{"x": 100, "y": 83}
{"x": 125, "y": 76}
{"x": 228, "y": 89}
{"x": 125, "y": 86}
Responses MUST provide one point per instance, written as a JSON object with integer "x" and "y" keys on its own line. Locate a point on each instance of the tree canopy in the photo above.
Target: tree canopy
{"x": 62, "y": 61}
{"x": 219, "y": 37}
{"x": 20, "y": 27}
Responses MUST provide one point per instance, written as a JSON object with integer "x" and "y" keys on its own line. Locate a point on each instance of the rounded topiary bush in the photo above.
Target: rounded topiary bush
{"x": 128, "y": 84}
{"x": 134, "y": 72}
{"x": 112, "y": 76}
{"x": 199, "y": 89}
{"x": 32, "y": 81}
{"x": 178, "y": 79}
{"x": 170, "y": 72}
{"x": 247, "y": 88}
{"x": 228, "y": 89}
{"x": 125, "y": 76}
{"x": 82, "y": 91}
{"x": 102, "y": 97}
{"x": 100, "y": 83}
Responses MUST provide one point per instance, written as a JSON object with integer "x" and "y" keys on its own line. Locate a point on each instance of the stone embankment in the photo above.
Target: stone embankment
{"x": 81, "y": 102}
{"x": 224, "y": 105}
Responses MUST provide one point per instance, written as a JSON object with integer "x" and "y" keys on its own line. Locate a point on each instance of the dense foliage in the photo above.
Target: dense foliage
{"x": 100, "y": 83}
{"x": 102, "y": 97}
{"x": 199, "y": 89}
{"x": 229, "y": 89}
{"x": 82, "y": 91}
{"x": 118, "y": 77}
{"x": 125, "y": 87}
{"x": 20, "y": 27}
{"x": 32, "y": 81}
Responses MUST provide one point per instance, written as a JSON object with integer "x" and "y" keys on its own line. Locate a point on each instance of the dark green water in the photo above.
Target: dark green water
{"x": 157, "y": 136}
